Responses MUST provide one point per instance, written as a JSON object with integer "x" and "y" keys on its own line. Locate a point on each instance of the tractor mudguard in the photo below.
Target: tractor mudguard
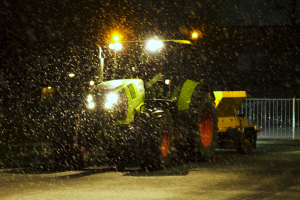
{"x": 186, "y": 94}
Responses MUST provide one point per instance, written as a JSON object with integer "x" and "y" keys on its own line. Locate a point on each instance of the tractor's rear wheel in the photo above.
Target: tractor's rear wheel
{"x": 157, "y": 143}
{"x": 203, "y": 126}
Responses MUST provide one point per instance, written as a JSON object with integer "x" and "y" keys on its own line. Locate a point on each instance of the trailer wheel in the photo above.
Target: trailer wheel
{"x": 157, "y": 145}
{"x": 203, "y": 127}
{"x": 246, "y": 142}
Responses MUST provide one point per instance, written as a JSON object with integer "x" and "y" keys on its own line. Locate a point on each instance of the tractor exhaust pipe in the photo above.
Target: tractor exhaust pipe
{"x": 101, "y": 63}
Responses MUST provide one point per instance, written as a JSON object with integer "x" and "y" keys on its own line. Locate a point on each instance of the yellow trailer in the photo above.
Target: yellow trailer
{"x": 234, "y": 130}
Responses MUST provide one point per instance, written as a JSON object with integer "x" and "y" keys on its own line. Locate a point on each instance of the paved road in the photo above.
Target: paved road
{"x": 271, "y": 172}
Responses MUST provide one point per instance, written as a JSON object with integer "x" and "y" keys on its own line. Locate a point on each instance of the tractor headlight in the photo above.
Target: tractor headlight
{"x": 91, "y": 105}
{"x": 111, "y": 99}
{"x": 89, "y": 98}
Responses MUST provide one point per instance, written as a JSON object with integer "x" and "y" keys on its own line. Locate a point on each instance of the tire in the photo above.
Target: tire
{"x": 68, "y": 156}
{"x": 246, "y": 141}
{"x": 116, "y": 147}
{"x": 202, "y": 127}
{"x": 157, "y": 133}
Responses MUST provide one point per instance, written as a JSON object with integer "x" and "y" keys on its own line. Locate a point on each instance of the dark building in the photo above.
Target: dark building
{"x": 263, "y": 60}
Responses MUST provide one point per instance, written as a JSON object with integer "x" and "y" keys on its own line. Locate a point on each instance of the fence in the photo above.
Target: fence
{"x": 279, "y": 118}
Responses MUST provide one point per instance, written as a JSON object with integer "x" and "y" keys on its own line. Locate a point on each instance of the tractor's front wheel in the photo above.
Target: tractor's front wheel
{"x": 157, "y": 143}
{"x": 67, "y": 156}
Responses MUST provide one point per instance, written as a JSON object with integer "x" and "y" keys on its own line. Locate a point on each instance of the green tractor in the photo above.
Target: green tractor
{"x": 145, "y": 124}
{"x": 142, "y": 123}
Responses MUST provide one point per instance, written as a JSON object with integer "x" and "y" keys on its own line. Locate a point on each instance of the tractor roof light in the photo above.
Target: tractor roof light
{"x": 116, "y": 37}
{"x": 196, "y": 35}
{"x": 117, "y": 46}
{"x": 154, "y": 45}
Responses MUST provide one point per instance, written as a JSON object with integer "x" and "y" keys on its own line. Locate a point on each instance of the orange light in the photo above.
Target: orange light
{"x": 194, "y": 35}
{"x": 116, "y": 37}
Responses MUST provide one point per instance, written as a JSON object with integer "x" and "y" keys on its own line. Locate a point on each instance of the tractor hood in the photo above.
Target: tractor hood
{"x": 117, "y": 85}
{"x": 120, "y": 98}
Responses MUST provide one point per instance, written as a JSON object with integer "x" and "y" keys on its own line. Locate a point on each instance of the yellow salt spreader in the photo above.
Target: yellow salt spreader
{"x": 234, "y": 129}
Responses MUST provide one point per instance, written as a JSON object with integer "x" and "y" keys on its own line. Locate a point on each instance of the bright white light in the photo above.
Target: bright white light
{"x": 49, "y": 87}
{"x": 112, "y": 46}
{"x": 71, "y": 74}
{"x": 90, "y": 98}
{"x": 92, "y": 82}
{"x": 116, "y": 38}
{"x": 112, "y": 98}
{"x": 91, "y": 105}
{"x": 154, "y": 45}
{"x": 167, "y": 81}
{"x": 116, "y": 46}
{"x": 108, "y": 105}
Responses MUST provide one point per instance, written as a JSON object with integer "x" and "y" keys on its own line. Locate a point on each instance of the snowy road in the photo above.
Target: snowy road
{"x": 271, "y": 172}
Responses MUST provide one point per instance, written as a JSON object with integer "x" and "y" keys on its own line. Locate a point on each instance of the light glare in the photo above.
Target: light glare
{"x": 112, "y": 98}
{"x": 116, "y": 46}
{"x": 167, "y": 81}
{"x": 154, "y": 45}
{"x": 71, "y": 75}
{"x": 91, "y": 105}
{"x": 90, "y": 98}
{"x": 116, "y": 38}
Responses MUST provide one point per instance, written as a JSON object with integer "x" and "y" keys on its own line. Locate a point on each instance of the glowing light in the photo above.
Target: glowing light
{"x": 194, "y": 35}
{"x": 116, "y": 46}
{"x": 116, "y": 38}
{"x": 91, "y": 105}
{"x": 167, "y": 81}
{"x": 71, "y": 75}
{"x": 49, "y": 87}
{"x": 112, "y": 46}
{"x": 108, "y": 105}
{"x": 90, "y": 98}
{"x": 92, "y": 82}
{"x": 154, "y": 45}
{"x": 112, "y": 98}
